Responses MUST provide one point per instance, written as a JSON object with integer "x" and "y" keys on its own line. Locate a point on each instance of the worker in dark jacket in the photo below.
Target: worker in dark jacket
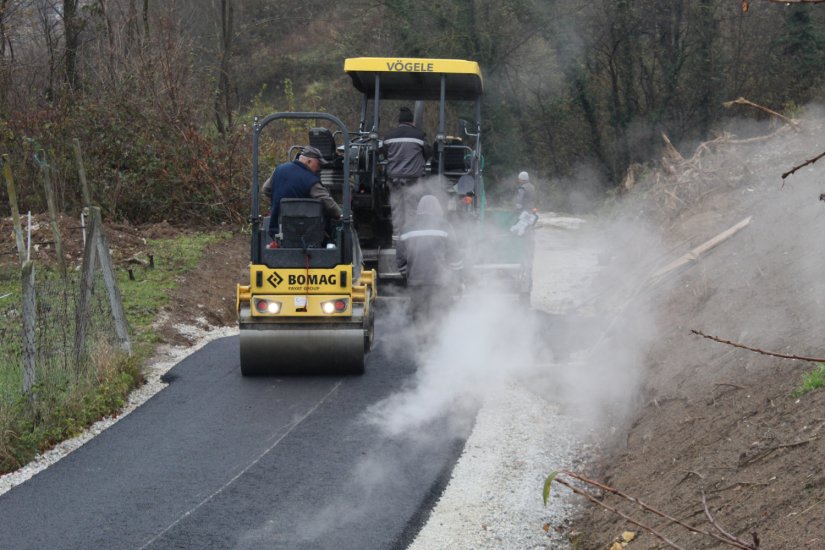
{"x": 298, "y": 179}
{"x": 406, "y": 150}
{"x": 428, "y": 254}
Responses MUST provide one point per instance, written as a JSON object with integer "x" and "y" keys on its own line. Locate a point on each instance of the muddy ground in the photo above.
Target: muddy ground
{"x": 707, "y": 418}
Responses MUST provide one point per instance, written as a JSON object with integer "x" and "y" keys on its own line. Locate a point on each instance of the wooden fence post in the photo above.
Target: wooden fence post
{"x": 115, "y": 300}
{"x": 15, "y": 212}
{"x": 29, "y": 312}
{"x": 50, "y": 200}
{"x": 87, "y": 283}
{"x": 81, "y": 171}
{"x": 96, "y": 246}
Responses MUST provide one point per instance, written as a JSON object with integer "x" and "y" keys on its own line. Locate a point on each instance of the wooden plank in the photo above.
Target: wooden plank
{"x": 703, "y": 248}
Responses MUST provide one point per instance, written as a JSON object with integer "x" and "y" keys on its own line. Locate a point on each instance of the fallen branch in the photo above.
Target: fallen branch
{"x": 731, "y": 385}
{"x": 672, "y": 152}
{"x": 743, "y": 101}
{"x": 757, "y": 350}
{"x": 803, "y": 165}
{"x": 729, "y": 540}
{"x": 694, "y": 254}
{"x": 627, "y": 518}
{"x": 764, "y": 453}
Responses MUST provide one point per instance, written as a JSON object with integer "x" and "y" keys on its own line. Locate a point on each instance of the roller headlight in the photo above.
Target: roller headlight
{"x": 267, "y": 307}
{"x": 335, "y": 306}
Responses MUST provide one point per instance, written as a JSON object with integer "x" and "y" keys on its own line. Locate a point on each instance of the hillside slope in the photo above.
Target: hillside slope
{"x": 710, "y": 417}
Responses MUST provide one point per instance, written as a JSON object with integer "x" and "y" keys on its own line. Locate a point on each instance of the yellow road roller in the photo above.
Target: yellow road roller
{"x": 308, "y": 307}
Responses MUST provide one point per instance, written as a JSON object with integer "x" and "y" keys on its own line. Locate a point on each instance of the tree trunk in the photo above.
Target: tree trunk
{"x": 3, "y": 6}
{"x": 71, "y": 30}
{"x": 223, "y": 95}
{"x": 709, "y": 99}
{"x": 5, "y": 84}
{"x": 49, "y": 39}
{"x": 145, "y": 19}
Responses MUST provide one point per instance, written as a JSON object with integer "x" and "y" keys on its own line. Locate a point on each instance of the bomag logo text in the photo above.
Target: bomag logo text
{"x": 312, "y": 279}
{"x": 409, "y": 67}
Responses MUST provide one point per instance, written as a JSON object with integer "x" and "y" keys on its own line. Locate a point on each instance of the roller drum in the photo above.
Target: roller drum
{"x": 268, "y": 349}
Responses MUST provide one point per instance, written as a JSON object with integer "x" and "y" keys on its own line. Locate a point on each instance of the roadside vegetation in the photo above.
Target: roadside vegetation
{"x": 161, "y": 95}
{"x": 69, "y": 396}
{"x": 811, "y": 380}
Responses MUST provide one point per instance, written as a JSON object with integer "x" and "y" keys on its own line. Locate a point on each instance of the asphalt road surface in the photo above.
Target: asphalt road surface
{"x": 216, "y": 460}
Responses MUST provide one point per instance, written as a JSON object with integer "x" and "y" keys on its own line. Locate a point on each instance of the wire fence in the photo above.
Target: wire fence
{"x": 58, "y": 362}
{"x": 61, "y": 333}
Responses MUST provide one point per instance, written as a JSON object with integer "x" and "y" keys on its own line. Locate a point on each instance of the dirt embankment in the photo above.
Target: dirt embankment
{"x": 712, "y": 419}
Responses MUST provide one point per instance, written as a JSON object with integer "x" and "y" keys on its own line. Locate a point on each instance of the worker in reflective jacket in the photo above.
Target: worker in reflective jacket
{"x": 525, "y": 196}
{"x": 407, "y": 151}
{"x": 428, "y": 255}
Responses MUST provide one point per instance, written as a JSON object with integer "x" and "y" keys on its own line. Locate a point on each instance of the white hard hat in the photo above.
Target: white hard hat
{"x": 523, "y": 176}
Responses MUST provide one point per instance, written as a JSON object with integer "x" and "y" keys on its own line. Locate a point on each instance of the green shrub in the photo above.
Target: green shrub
{"x": 811, "y": 380}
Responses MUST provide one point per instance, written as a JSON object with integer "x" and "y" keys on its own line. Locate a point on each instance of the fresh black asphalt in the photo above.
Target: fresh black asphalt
{"x": 216, "y": 460}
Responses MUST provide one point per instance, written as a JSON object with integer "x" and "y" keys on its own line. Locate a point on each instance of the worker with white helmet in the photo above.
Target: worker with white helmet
{"x": 525, "y": 198}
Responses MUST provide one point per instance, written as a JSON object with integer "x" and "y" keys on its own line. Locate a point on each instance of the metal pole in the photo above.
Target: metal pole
{"x": 362, "y": 125}
{"x": 29, "y": 237}
{"x": 83, "y": 227}
{"x": 441, "y": 137}
{"x": 29, "y": 342}
{"x": 255, "y": 214}
{"x": 376, "y": 107}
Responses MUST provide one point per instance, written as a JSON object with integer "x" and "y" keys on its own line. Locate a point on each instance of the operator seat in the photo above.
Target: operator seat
{"x": 302, "y": 223}
{"x": 332, "y": 175}
{"x": 323, "y": 140}
{"x": 454, "y": 163}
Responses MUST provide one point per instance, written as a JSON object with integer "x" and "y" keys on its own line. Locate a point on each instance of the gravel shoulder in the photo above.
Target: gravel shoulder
{"x": 521, "y": 433}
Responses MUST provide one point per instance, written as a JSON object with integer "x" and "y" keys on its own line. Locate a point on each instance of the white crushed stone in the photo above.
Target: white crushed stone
{"x": 494, "y": 496}
{"x": 164, "y": 359}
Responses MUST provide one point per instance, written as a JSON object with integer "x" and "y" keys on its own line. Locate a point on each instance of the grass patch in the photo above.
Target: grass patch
{"x": 811, "y": 380}
{"x": 68, "y": 397}
{"x": 152, "y": 289}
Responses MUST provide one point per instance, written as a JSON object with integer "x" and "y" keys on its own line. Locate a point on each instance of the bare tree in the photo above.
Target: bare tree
{"x": 223, "y": 95}
{"x": 46, "y": 16}
{"x": 71, "y": 31}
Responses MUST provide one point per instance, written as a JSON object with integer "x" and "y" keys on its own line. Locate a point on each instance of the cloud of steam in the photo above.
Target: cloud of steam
{"x": 483, "y": 342}
{"x": 584, "y": 357}
{"x": 585, "y": 342}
